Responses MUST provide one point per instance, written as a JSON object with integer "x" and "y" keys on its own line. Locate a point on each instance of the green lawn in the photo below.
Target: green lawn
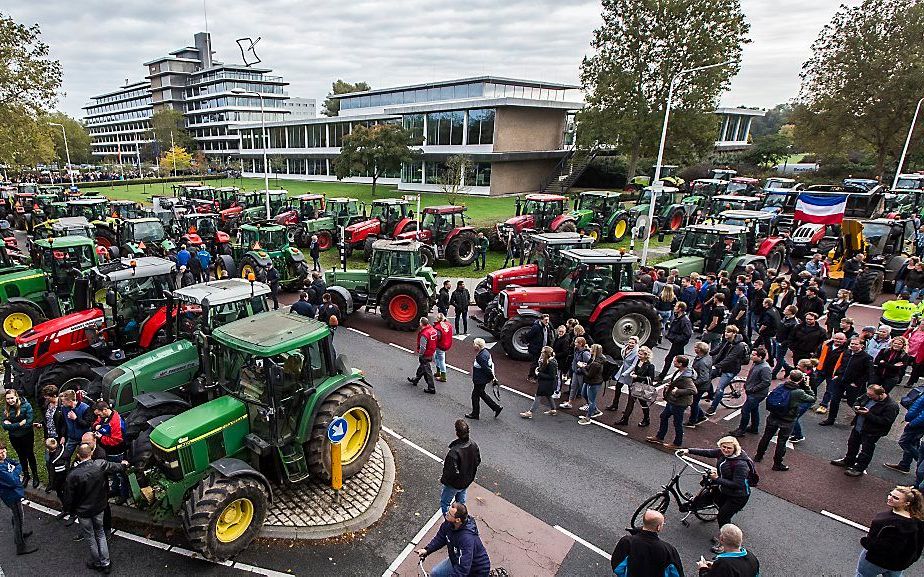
{"x": 484, "y": 211}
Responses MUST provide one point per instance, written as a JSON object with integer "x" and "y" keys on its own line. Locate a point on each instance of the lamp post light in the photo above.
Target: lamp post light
{"x": 67, "y": 151}
{"x": 657, "y": 174}
{"x": 265, "y": 145}
{"x": 901, "y": 160}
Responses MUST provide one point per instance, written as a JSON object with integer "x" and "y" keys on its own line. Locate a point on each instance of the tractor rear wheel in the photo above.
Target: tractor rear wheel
{"x": 367, "y": 247}
{"x": 17, "y": 318}
{"x": 567, "y": 227}
{"x": 222, "y": 515}
{"x": 105, "y": 237}
{"x": 402, "y": 305}
{"x": 868, "y": 286}
{"x": 620, "y": 228}
{"x": 775, "y": 257}
{"x": 298, "y": 274}
{"x": 355, "y": 403}
{"x": 338, "y": 300}
{"x": 136, "y": 422}
{"x": 248, "y": 266}
{"x": 594, "y": 232}
{"x": 71, "y": 377}
{"x": 628, "y": 318}
{"x": 513, "y": 337}
{"x": 427, "y": 256}
{"x": 461, "y": 250}
{"x": 483, "y": 297}
{"x": 675, "y": 220}
{"x": 325, "y": 240}
{"x": 225, "y": 267}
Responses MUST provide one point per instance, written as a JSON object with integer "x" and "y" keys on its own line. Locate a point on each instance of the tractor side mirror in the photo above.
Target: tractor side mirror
{"x": 519, "y": 207}
{"x": 81, "y": 295}
{"x": 111, "y": 298}
{"x": 274, "y": 374}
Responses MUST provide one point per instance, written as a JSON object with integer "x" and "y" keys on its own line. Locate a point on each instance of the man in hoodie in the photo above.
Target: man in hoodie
{"x": 459, "y": 534}
{"x": 459, "y": 467}
{"x": 679, "y": 332}
{"x": 729, "y": 356}
{"x": 644, "y": 554}
{"x": 11, "y": 493}
{"x": 783, "y": 408}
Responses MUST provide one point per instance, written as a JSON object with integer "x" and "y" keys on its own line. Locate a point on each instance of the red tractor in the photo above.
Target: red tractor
{"x": 444, "y": 235}
{"x": 542, "y": 265}
{"x": 388, "y": 218}
{"x": 597, "y": 291}
{"x": 538, "y": 212}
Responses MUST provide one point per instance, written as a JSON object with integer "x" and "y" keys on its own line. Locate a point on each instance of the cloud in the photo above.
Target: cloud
{"x": 101, "y": 43}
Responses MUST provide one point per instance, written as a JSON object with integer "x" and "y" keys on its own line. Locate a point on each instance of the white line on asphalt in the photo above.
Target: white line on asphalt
{"x": 410, "y": 546}
{"x": 845, "y": 521}
{"x": 392, "y": 433}
{"x": 609, "y": 428}
{"x": 414, "y": 445}
{"x": 405, "y": 349}
{"x": 463, "y": 371}
{"x": 583, "y": 542}
{"x": 867, "y": 306}
{"x": 423, "y": 530}
{"x": 460, "y": 337}
{"x": 357, "y": 331}
{"x": 731, "y": 415}
{"x": 490, "y": 345}
{"x": 143, "y": 540}
{"x": 516, "y": 392}
{"x": 398, "y": 560}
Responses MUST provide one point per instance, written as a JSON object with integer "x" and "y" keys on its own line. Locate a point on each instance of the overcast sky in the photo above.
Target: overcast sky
{"x": 388, "y": 43}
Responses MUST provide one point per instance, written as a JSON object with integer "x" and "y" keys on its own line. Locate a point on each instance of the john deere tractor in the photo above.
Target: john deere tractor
{"x": 670, "y": 214}
{"x": 277, "y": 386}
{"x": 144, "y": 236}
{"x": 259, "y": 245}
{"x": 395, "y": 282}
{"x": 96, "y": 210}
{"x": 710, "y": 248}
{"x": 601, "y": 215}
{"x": 668, "y": 177}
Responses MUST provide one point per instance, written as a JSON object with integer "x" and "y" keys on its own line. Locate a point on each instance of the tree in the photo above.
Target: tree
{"x": 640, "y": 47}
{"x": 277, "y": 164}
{"x": 772, "y": 121}
{"x": 861, "y": 85}
{"x": 331, "y": 106}
{"x": 177, "y": 155}
{"x": 374, "y": 151}
{"x": 78, "y": 139}
{"x": 169, "y": 128}
{"x": 29, "y": 81}
{"x": 768, "y": 150}
{"x": 450, "y": 178}
{"x": 200, "y": 161}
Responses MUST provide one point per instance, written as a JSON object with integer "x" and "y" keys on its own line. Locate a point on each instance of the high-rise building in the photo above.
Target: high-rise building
{"x": 213, "y": 96}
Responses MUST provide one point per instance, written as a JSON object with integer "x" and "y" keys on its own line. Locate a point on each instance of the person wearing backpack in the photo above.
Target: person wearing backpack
{"x": 443, "y": 343}
{"x": 733, "y": 477}
{"x": 783, "y": 408}
{"x": 910, "y": 439}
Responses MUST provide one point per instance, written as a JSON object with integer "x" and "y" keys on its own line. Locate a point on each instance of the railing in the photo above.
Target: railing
{"x": 569, "y": 169}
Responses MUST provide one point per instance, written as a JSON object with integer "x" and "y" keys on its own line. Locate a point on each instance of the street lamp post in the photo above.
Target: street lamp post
{"x": 265, "y": 145}
{"x": 901, "y": 161}
{"x": 67, "y": 151}
{"x": 657, "y": 174}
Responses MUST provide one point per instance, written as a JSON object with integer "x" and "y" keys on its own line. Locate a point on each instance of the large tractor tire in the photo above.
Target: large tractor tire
{"x": 224, "y": 266}
{"x": 461, "y": 250}
{"x": 628, "y": 318}
{"x": 136, "y": 422}
{"x": 367, "y": 247}
{"x": 594, "y": 232}
{"x": 513, "y": 337}
{"x": 620, "y": 229}
{"x": 355, "y": 403}
{"x": 776, "y": 257}
{"x": 71, "y": 377}
{"x": 222, "y": 515}
{"x": 674, "y": 221}
{"x": 483, "y": 298}
{"x": 427, "y": 255}
{"x": 105, "y": 237}
{"x": 17, "y": 318}
{"x": 302, "y": 238}
{"x": 325, "y": 240}
{"x": 868, "y": 286}
{"x": 248, "y": 266}
{"x": 298, "y": 274}
{"x": 568, "y": 226}
{"x": 402, "y": 305}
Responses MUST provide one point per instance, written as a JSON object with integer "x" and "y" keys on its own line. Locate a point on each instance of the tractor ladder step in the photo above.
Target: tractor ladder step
{"x": 294, "y": 463}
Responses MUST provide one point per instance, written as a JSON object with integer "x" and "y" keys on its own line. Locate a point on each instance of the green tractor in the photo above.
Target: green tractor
{"x": 671, "y": 212}
{"x": 668, "y": 178}
{"x": 144, "y": 236}
{"x": 710, "y": 248}
{"x": 305, "y": 217}
{"x": 346, "y": 211}
{"x": 259, "y": 245}
{"x": 256, "y": 203}
{"x": 65, "y": 226}
{"x": 601, "y": 215}
{"x": 31, "y": 294}
{"x": 395, "y": 282}
{"x": 281, "y": 386}
{"x": 96, "y": 210}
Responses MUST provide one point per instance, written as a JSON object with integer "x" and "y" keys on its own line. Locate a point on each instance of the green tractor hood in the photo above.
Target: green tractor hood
{"x": 685, "y": 264}
{"x": 218, "y": 414}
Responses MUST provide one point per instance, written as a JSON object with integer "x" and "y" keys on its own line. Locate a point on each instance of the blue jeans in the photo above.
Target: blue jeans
{"x": 848, "y": 282}
{"x": 867, "y": 569}
{"x": 449, "y": 495}
{"x": 724, "y": 379}
{"x": 750, "y": 410}
{"x": 696, "y": 412}
{"x": 676, "y": 412}
{"x": 665, "y": 319}
{"x": 919, "y": 473}
{"x": 797, "y": 426}
{"x": 909, "y": 442}
{"x": 442, "y": 569}
{"x": 577, "y": 387}
{"x": 826, "y": 398}
{"x": 592, "y": 392}
{"x": 96, "y": 535}
{"x": 899, "y": 287}
{"x": 780, "y": 359}
{"x": 439, "y": 357}
{"x": 120, "y": 484}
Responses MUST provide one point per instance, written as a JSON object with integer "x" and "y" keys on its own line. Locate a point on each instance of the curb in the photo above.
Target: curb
{"x": 364, "y": 520}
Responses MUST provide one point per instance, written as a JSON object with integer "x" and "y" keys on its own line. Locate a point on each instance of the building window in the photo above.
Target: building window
{"x": 445, "y": 128}
{"x": 414, "y": 125}
{"x": 277, "y": 137}
{"x": 412, "y": 172}
{"x": 317, "y": 135}
{"x": 481, "y": 126}
{"x": 317, "y": 166}
{"x": 247, "y": 140}
{"x": 478, "y": 174}
{"x": 296, "y": 166}
{"x": 434, "y": 171}
{"x": 296, "y": 136}
{"x": 337, "y": 132}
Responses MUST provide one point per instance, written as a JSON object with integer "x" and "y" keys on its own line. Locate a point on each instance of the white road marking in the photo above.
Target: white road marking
{"x": 516, "y": 392}
{"x": 609, "y": 428}
{"x": 845, "y": 521}
{"x": 412, "y": 444}
{"x": 392, "y": 433}
{"x": 405, "y": 349}
{"x": 731, "y": 415}
{"x": 461, "y": 337}
{"x": 490, "y": 345}
{"x": 463, "y": 371}
{"x": 874, "y": 307}
{"x": 409, "y": 548}
{"x": 583, "y": 542}
{"x": 357, "y": 331}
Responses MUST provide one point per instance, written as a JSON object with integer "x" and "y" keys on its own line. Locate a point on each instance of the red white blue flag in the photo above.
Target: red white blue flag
{"x": 820, "y": 209}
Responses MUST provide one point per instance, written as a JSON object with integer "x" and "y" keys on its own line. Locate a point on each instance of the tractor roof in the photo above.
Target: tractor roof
{"x": 219, "y": 292}
{"x": 717, "y": 228}
{"x": 912, "y": 176}
{"x": 559, "y": 237}
{"x": 545, "y": 197}
{"x": 273, "y": 191}
{"x": 389, "y": 201}
{"x": 710, "y": 181}
{"x": 145, "y": 266}
{"x": 887, "y": 221}
{"x": 407, "y": 245}
{"x": 781, "y": 179}
{"x": 446, "y": 209}
{"x": 599, "y": 255}
{"x": 736, "y": 198}
{"x": 310, "y": 197}
{"x": 191, "y": 215}
{"x": 270, "y": 333}
{"x": 88, "y": 201}
{"x": 854, "y": 189}
{"x": 602, "y": 193}
{"x": 745, "y": 180}
{"x": 342, "y": 199}
{"x": 747, "y": 214}
{"x": 263, "y": 227}
{"x": 228, "y": 188}
{"x": 123, "y": 202}
{"x": 661, "y": 189}
{"x": 140, "y": 220}
{"x": 65, "y": 242}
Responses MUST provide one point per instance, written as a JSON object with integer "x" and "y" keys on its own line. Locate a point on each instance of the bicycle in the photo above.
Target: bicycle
{"x": 733, "y": 398}
{"x": 662, "y": 499}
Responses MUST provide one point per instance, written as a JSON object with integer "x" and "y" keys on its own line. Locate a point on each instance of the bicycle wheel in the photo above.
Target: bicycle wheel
{"x": 707, "y": 513}
{"x": 658, "y": 502}
{"x": 734, "y": 395}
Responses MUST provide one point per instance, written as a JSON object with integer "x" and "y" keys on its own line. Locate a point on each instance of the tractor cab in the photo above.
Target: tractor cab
{"x": 438, "y": 221}
{"x": 203, "y": 226}
{"x": 905, "y": 198}
{"x": 597, "y": 213}
{"x": 864, "y": 183}
{"x": 743, "y": 186}
{"x": 725, "y": 174}
{"x": 724, "y": 202}
{"x": 707, "y": 187}
{"x": 888, "y": 238}
{"x": 63, "y": 260}
{"x": 595, "y": 275}
{"x": 144, "y": 236}
{"x": 393, "y": 258}
{"x": 278, "y": 199}
{"x": 224, "y": 197}
{"x": 224, "y": 300}
{"x": 390, "y": 211}
{"x": 261, "y": 244}
{"x": 91, "y": 208}
{"x": 263, "y": 236}
{"x": 542, "y": 207}
{"x": 309, "y": 206}
{"x": 130, "y": 292}
{"x": 708, "y": 248}
{"x": 778, "y": 183}
{"x": 27, "y": 188}
{"x": 598, "y": 202}
{"x": 65, "y": 226}
{"x": 345, "y": 211}
{"x": 125, "y": 209}
{"x": 760, "y": 224}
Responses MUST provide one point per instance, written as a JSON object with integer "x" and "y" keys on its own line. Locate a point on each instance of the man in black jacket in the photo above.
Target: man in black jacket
{"x": 317, "y": 289}
{"x": 460, "y": 299}
{"x": 767, "y": 326}
{"x": 679, "y": 333}
{"x": 850, "y": 377}
{"x": 874, "y": 418}
{"x": 644, "y": 554}
{"x": 540, "y": 335}
{"x": 442, "y": 299}
{"x": 806, "y": 337}
{"x": 728, "y": 358}
{"x": 811, "y": 303}
{"x": 459, "y": 467}
{"x": 852, "y": 269}
{"x": 86, "y": 496}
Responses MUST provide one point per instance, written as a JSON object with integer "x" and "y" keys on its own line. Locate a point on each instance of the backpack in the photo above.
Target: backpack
{"x": 745, "y": 352}
{"x": 753, "y": 476}
{"x": 778, "y": 401}
{"x": 911, "y": 396}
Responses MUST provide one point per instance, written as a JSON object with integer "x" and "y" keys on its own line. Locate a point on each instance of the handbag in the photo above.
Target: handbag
{"x": 643, "y": 390}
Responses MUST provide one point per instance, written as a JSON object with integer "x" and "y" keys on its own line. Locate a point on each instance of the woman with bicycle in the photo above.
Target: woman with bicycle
{"x": 730, "y": 480}
{"x": 642, "y": 388}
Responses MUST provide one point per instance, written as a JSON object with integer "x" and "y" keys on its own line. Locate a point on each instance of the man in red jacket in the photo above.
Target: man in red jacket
{"x": 443, "y": 344}
{"x": 427, "y": 337}
{"x": 108, "y": 431}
